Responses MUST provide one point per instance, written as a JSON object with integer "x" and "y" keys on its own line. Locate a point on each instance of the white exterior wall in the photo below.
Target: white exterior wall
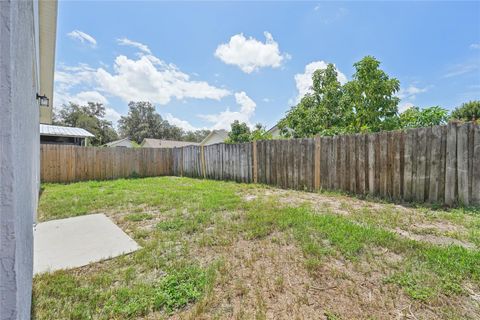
{"x": 122, "y": 143}
{"x": 19, "y": 156}
{"x": 213, "y": 139}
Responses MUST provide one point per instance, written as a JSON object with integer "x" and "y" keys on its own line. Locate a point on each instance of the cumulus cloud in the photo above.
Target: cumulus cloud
{"x": 149, "y": 78}
{"x": 143, "y": 78}
{"x": 223, "y": 119}
{"x": 83, "y": 98}
{"x": 140, "y": 46}
{"x": 82, "y": 37}
{"x": 251, "y": 54}
{"x": 304, "y": 80}
{"x": 185, "y": 125}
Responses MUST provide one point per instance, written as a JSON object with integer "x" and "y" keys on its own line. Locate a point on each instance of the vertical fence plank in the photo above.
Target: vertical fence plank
{"x": 435, "y": 165}
{"x": 476, "y": 165}
{"x": 451, "y": 165}
{"x": 462, "y": 164}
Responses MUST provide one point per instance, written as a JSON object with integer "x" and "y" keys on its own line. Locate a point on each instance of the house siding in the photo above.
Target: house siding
{"x": 19, "y": 156}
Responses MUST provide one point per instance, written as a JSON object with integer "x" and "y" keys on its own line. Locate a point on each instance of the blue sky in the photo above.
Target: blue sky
{"x": 204, "y": 64}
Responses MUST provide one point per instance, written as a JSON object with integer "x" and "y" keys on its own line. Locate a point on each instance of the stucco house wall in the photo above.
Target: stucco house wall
{"x": 19, "y": 156}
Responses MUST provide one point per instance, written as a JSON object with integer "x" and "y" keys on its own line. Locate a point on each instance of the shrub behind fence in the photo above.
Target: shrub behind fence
{"x": 438, "y": 164}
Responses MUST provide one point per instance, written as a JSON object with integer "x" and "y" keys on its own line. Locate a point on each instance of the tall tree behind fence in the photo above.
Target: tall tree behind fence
{"x": 437, "y": 164}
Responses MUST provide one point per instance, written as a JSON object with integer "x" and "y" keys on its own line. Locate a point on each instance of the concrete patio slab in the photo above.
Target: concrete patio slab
{"x": 75, "y": 242}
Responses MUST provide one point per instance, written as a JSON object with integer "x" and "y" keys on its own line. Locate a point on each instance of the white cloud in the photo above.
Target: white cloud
{"x": 82, "y": 37}
{"x": 185, "y": 125}
{"x": 127, "y": 42}
{"x": 475, "y": 46}
{"x": 223, "y": 119}
{"x": 250, "y": 54}
{"x": 405, "y": 106}
{"x": 148, "y": 78}
{"x": 83, "y": 98}
{"x": 112, "y": 115}
{"x": 462, "y": 68}
{"x": 304, "y": 80}
{"x": 144, "y": 78}
{"x": 89, "y": 96}
{"x": 411, "y": 92}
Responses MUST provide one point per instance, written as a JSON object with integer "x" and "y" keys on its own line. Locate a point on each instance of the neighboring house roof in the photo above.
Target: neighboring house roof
{"x": 122, "y": 142}
{"x": 158, "y": 143}
{"x": 217, "y": 135}
{"x": 272, "y": 129}
{"x": 50, "y": 130}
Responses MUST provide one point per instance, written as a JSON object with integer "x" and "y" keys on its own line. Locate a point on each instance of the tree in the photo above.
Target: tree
{"x": 320, "y": 111}
{"x": 260, "y": 133}
{"x": 366, "y": 103}
{"x": 196, "y": 136}
{"x": 143, "y": 121}
{"x": 415, "y": 117}
{"x": 469, "y": 111}
{"x": 239, "y": 133}
{"x": 371, "y": 95}
{"x": 89, "y": 117}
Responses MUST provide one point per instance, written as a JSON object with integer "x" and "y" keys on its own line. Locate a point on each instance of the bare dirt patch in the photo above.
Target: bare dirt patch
{"x": 434, "y": 239}
{"x": 268, "y": 279}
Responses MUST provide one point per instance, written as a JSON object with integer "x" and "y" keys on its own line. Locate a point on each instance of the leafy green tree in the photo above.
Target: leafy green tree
{"x": 320, "y": 111}
{"x": 196, "y": 136}
{"x": 366, "y": 103}
{"x": 143, "y": 121}
{"x": 415, "y": 117}
{"x": 239, "y": 133}
{"x": 260, "y": 133}
{"x": 371, "y": 95}
{"x": 89, "y": 117}
{"x": 469, "y": 111}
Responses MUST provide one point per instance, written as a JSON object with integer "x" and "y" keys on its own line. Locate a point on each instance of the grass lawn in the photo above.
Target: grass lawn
{"x": 215, "y": 250}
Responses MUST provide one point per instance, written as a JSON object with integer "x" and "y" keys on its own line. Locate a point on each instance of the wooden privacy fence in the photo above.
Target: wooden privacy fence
{"x": 438, "y": 164}
{"x": 61, "y": 163}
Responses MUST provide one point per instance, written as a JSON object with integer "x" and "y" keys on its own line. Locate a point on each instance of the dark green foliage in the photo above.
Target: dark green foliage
{"x": 89, "y": 117}
{"x": 469, "y": 111}
{"x": 143, "y": 122}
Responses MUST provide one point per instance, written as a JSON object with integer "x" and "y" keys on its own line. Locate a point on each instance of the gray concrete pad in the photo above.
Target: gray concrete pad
{"x": 75, "y": 242}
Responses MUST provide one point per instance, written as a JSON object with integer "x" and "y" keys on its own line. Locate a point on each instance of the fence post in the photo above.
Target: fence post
{"x": 202, "y": 159}
{"x": 317, "y": 163}
{"x": 254, "y": 162}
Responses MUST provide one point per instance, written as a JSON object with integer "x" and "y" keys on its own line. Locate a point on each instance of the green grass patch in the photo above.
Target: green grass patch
{"x": 166, "y": 275}
{"x": 136, "y": 217}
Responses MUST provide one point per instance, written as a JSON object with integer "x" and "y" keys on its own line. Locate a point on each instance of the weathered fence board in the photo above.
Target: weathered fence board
{"x": 438, "y": 164}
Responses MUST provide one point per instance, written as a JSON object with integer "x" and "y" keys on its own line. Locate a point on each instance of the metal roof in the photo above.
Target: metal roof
{"x": 50, "y": 130}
